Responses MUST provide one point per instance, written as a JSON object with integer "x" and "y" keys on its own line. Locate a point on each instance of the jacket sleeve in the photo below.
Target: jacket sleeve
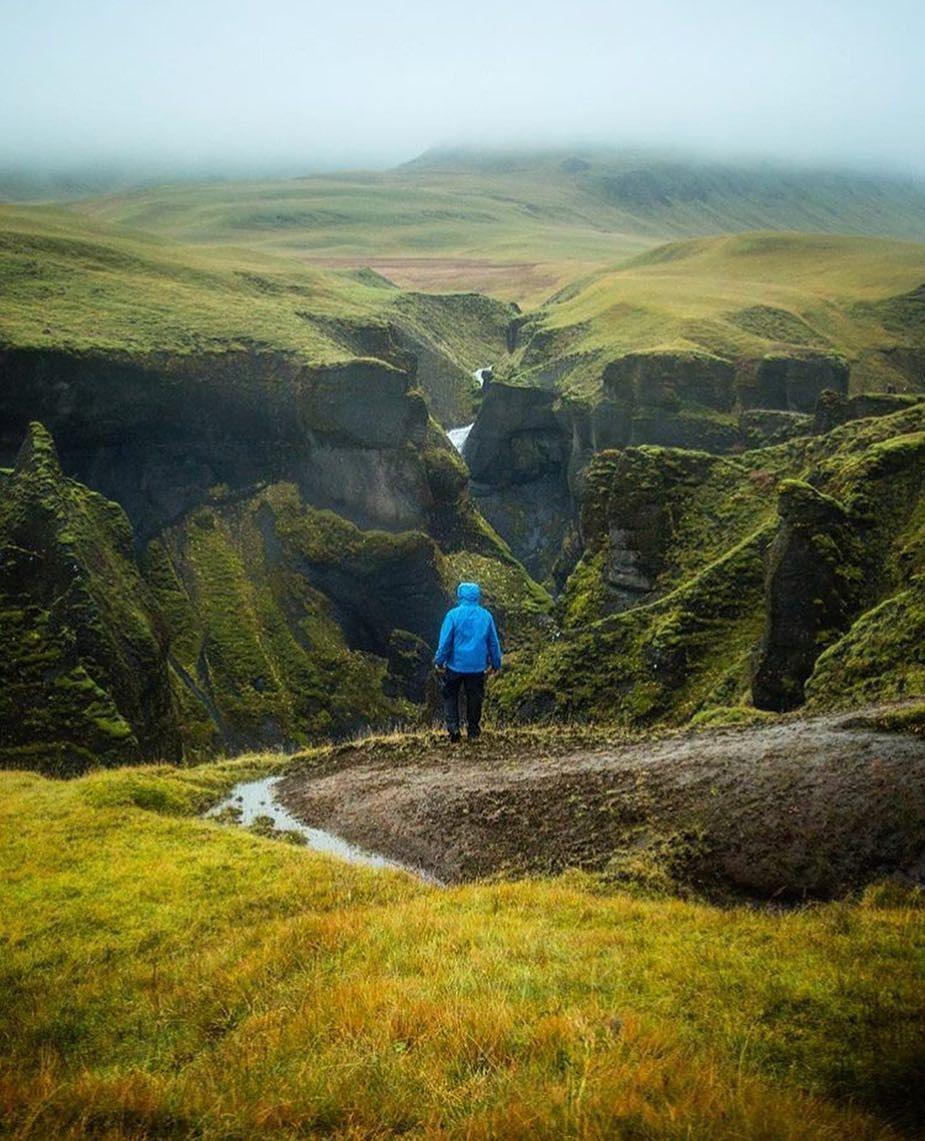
{"x": 445, "y": 644}
{"x": 494, "y": 645}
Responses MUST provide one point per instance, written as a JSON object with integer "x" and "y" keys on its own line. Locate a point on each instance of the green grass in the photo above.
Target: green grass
{"x": 70, "y": 283}
{"x": 516, "y": 225}
{"x": 518, "y": 240}
{"x": 166, "y": 975}
{"x": 743, "y": 296}
{"x": 75, "y": 285}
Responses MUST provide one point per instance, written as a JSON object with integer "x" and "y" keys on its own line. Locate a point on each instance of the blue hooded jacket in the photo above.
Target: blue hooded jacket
{"x": 468, "y": 638}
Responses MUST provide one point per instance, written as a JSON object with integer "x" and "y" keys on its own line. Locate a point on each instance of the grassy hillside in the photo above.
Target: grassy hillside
{"x": 743, "y": 296}
{"x": 73, "y": 284}
{"x": 255, "y": 989}
{"x": 514, "y": 225}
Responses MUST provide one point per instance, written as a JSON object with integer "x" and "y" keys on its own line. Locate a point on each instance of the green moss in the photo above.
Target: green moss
{"x": 256, "y": 646}
{"x": 699, "y": 528}
{"x": 722, "y": 715}
{"x": 880, "y": 658}
{"x": 83, "y": 675}
{"x": 658, "y": 662}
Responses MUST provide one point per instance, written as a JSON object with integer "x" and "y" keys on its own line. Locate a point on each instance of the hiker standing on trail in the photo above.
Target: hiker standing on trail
{"x": 468, "y": 647}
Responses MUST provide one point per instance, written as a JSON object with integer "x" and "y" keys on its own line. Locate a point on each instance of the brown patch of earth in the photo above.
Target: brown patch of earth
{"x": 524, "y": 282}
{"x": 801, "y": 808}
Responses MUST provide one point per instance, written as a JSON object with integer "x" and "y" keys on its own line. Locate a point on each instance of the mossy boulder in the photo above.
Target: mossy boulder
{"x": 83, "y": 678}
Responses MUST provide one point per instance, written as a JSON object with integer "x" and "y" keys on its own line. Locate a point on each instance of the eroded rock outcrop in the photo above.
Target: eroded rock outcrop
{"x": 673, "y": 399}
{"x": 156, "y": 435}
{"x": 710, "y": 585}
{"x": 814, "y": 568}
{"x": 83, "y": 674}
{"x": 518, "y": 454}
{"x": 790, "y": 382}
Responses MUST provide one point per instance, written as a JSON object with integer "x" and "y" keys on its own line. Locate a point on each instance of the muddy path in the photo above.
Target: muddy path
{"x": 801, "y": 808}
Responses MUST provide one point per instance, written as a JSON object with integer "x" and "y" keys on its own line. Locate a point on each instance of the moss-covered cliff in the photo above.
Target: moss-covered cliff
{"x": 83, "y": 674}
{"x": 253, "y": 619}
{"x": 787, "y": 574}
{"x": 297, "y": 515}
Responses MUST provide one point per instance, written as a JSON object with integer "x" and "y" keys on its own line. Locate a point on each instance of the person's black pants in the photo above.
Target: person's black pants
{"x": 474, "y": 685}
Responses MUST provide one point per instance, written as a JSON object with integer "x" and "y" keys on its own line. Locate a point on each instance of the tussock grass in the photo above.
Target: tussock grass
{"x": 164, "y": 975}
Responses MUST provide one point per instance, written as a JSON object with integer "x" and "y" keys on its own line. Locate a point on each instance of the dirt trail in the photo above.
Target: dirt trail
{"x": 800, "y": 808}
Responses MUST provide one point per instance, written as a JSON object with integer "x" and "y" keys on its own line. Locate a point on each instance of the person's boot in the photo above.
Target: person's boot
{"x": 455, "y": 738}
{"x": 473, "y": 734}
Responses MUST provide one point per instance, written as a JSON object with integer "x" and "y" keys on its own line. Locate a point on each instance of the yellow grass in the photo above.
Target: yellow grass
{"x": 164, "y": 975}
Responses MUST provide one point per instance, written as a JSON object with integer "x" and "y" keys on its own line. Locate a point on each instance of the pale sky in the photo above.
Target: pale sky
{"x": 293, "y": 83}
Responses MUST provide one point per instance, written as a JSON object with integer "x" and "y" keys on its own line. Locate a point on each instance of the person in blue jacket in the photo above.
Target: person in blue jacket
{"x": 468, "y": 647}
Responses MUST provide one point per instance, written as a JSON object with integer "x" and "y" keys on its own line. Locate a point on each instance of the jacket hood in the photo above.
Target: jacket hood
{"x": 469, "y": 592}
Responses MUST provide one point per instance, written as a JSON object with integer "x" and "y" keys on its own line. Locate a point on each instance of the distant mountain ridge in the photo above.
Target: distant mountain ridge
{"x": 517, "y": 225}
{"x": 686, "y": 194}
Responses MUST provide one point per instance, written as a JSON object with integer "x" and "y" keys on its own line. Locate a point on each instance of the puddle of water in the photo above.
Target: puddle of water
{"x": 256, "y": 798}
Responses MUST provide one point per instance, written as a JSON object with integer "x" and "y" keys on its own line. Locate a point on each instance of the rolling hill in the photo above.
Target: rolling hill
{"x": 517, "y": 225}
{"x": 740, "y": 296}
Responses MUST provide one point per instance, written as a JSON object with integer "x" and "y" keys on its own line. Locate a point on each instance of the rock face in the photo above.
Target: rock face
{"x": 516, "y": 437}
{"x": 530, "y": 447}
{"x": 517, "y": 453}
{"x": 811, "y": 590}
{"x": 155, "y": 436}
{"x": 717, "y": 586}
{"x": 630, "y": 499}
{"x": 833, "y": 409}
{"x": 791, "y": 383}
{"x": 288, "y": 623}
{"x": 255, "y": 615}
{"x": 669, "y": 380}
{"x": 83, "y": 675}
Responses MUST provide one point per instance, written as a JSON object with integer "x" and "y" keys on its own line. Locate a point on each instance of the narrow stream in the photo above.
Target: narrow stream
{"x": 255, "y": 798}
{"x": 458, "y": 436}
